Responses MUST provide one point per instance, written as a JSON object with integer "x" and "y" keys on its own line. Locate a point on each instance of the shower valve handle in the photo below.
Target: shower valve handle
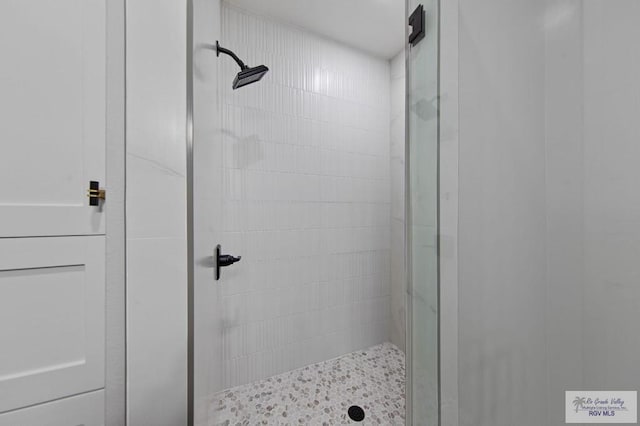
{"x": 227, "y": 259}
{"x": 223, "y": 260}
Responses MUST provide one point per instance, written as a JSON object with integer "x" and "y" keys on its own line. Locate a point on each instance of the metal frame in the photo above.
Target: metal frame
{"x": 190, "y": 225}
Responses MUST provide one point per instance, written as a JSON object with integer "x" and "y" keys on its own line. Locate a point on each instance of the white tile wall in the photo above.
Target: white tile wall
{"x": 502, "y": 244}
{"x": 306, "y": 202}
{"x": 610, "y": 240}
{"x": 156, "y": 213}
{"x": 564, "y": 162}
{"x": 549, "y": 235}
{"x": 207, "y": 209}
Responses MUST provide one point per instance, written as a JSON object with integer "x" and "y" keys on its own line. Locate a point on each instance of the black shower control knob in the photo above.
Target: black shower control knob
{"x": 227, "y": 259}
{"x": 222, "y": 260}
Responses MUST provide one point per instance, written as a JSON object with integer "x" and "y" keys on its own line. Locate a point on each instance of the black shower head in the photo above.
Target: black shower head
{"x": 247, "y": 75}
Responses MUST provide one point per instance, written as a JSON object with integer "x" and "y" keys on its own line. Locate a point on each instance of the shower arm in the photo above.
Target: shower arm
{"x": 220, "y": 49}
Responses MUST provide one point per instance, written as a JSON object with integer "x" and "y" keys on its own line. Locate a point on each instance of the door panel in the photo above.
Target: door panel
{"x": 82, "y": 410}
{"x": 52, "y": 137}
{"x": 51, "y": 318}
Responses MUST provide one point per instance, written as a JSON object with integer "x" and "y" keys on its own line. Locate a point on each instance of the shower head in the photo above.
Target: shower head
{"x": 247, "y": 75}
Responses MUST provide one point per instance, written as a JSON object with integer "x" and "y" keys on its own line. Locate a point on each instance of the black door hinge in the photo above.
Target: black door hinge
{"x": 417, "y": 21}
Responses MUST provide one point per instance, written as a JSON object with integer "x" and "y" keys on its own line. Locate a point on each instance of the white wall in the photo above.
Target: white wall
{"x": 611, "y": 203}
{"x": 592, "y": 205}
{"x": 565, "y": 201}
{"x": 207, "y": 208}
{"x": 156, "y": 213}
{"x": 502, "y": 257}
{"x": 549, "y": 236}
{"x": 306, "y": 202}
{"x": 398, "y": 292}
{"x": 115, "y": 361}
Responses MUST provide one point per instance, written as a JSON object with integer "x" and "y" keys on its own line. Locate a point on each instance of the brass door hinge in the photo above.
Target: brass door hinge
{"x": 95, "y": 194}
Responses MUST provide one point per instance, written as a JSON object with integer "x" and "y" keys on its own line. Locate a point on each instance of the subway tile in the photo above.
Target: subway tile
{"x": 306, "y": 173}
{"x": 148, "y": 180}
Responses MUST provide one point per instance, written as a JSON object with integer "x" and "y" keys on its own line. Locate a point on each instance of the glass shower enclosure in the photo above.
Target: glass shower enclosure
{"x": 292, "y": 174}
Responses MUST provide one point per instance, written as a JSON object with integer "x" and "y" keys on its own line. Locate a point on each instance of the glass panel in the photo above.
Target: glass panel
{"x": 422, "y": 221}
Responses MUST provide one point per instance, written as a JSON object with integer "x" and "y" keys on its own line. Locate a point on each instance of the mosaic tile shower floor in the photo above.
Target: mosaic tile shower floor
{"x": 321, "y": 394}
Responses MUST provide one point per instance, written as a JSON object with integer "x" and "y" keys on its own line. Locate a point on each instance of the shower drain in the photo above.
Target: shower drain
{"x": 356, "y": 413}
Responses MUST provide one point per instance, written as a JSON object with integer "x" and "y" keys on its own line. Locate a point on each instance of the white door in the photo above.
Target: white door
{"x": 81, "y": 410}
{"x": 51, "y": 318}
{"x": 52, "y": 116}
{"x": 52, "y": 243}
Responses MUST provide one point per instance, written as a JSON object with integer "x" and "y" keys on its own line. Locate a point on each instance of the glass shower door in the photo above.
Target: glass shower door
{"x": 422, "y": 217}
